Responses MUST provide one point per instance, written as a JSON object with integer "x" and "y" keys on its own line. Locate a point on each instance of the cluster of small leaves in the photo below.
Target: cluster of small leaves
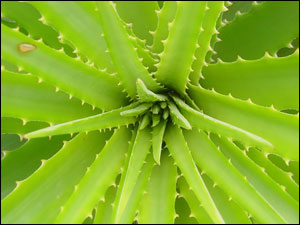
{"x": 154, "y": 112}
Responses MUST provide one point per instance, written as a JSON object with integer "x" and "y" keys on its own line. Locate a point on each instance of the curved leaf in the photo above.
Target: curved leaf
{"x": 282, "y": 178}
{"x": 230, "y": 210}
{"x": 157, "y": 140}
{"x": 10, "y": 125}
{"x": 201, "y": 121}
{"x": 22, "y": 96}
{"x": 135, "y": 111}
{"x": 28, "y": 17}
{"x": 21, "y": 163}
{"x": 145, "y": 121}
{"x": 195, "y": 205}
{"x": 126, "y": 61}
{"x": 279, "y": 200}
{"x": 10, "y": 142}
{"x": 180, "y": 152}
{"x": 142, "y": 15}
{"x": 102, "y": 121}
{"x": 139, "y": 187}
{"x": 100, "y": 175}
{"x": 280, "y": 129}
{"x": 146, "y": 95}
{"x": 138, "y": 192}
{"x": 73, "y": 76}
{"x": 210, "y": 18}
{"x": 177, "y": 117}
{"x": 80, "y": 27}
{"x": 236, "y": 7}
{"x": 138, "y": 155}
{"x": 183, "y": 212}
{"x": 104, "y": 208}
{"x": 247, "y": 36}
{"x": 38, "y": 198}
{"x": 158, "y": 204}
{"x": 155, "y": 119}
{"x": 267, "y": 81}
{"x": 165, "y": 15}
{"x": 174, "y": 68}
{"x": 215, "y": 164}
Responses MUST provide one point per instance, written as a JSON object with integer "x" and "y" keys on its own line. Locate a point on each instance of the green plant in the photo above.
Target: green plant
{"x": 127, "y": 113}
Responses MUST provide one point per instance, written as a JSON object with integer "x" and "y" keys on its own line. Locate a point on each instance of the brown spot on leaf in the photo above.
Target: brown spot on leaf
{"x": 26, "y": 47}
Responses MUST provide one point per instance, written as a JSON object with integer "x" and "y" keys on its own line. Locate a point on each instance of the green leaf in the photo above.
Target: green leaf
{"x": 104, "y": 208}
{"x": 127, "y": 64}
{"x": 11, "y": 67}
{"x": 277, "y": 161}
{"x": 155, "y": 109}
{"x": 73, "y": 76}
{"x": 145, "y": 95}
{"x": 165, "y": 114}
{"x": 102, "y": 121}
{"x": 29, "y": 17}
{"x": 158, "y": 204}
{"x": 196, "y": 207}
{"x": 135, "y": 111}
{"x": 81, "y": 27}
{"x": 38, "y": 198}
{"x": 183, "y": 212}
{"x": 146, "y": 56}
{"x": 11, "y": 125}
{"x": 282, "y": 178}
{"x": 155, "y": 120}
{"x": 266, "y": 81}
{"x": 137, "y": 194}
{"x": 163, "y": 105}
{"x": 165, "y": 15}
{"x": 287, "y": 166}
{"x": 97, "y": 179}
{"x": 22, "y": 96}
{"x": 247, "y": 36}
{"x": 142, "y": 15}
{"x": 174, "y": 67}
{"x": 140, "y": 150}
{"x": 139, "y": 187}
{"x": 181, "y": 154}
{"x": 21, "y": 163}
{"x": 11, "y": 142}
{"x": 160, "y": 3}
{"x": 230, "y": 210}
{"x": 177, "y": 117}
{"x": 157, "y": 140}
{"x": 90, "y": 219}
{"x": 236, "y": 7}
{"x": 214, "y": 163}
{"x": 294, "y": 168}
{"x": 201, "y": 121}
{"x": 290, "y": 49}
{"x": 211, "y": 15}
{"x": 280, "y": 129}
{"x": 145, "y": 121}
{"x": 123, "y": 175}
{"x": 279, "y": 200}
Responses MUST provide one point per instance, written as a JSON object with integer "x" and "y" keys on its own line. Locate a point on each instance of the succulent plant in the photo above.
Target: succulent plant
{"x": 150, "y": 112}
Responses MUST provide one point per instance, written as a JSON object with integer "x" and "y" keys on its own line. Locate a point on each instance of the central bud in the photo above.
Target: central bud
{"x": 153, "y": 108}
{"x": 159, "y": 111}
{"x": 153, "y": 111}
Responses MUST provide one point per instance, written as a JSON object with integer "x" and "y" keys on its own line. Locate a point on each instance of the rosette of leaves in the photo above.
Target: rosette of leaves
{"x": 150, "y": 112}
